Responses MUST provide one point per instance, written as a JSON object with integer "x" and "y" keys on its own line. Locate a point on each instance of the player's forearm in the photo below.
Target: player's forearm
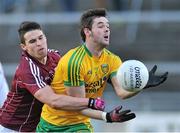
{"x": 69, "y": 103}
{"x": 123, "y": 94}
{"x": 95, "y": 114}
{"x": 59, "y": 101}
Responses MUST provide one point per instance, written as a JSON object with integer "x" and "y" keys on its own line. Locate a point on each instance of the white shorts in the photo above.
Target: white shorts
{"x": 3, "y": 86}
{"x": 3, "y": 129}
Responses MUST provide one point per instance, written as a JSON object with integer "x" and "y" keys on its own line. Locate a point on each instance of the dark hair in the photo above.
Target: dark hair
{"x": 88, "y": 17}
{"x": 25, "y": 27}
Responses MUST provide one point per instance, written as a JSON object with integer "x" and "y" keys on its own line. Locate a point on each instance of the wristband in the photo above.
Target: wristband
{"x": 108, "y": 117}
{"x": 91, "y": 103}
{"x": 104, "y": 116}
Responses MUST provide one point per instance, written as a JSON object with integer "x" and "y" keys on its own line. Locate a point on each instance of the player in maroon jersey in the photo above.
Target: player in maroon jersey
{"x": 30, "y": 86}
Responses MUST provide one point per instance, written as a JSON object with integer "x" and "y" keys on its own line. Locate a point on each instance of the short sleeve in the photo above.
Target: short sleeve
{"x": 115, "y": 64}
{"x": 73, "y": 69}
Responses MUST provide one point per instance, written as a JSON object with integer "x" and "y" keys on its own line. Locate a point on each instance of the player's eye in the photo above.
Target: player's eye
{"x": 32, "y": 41}
{"x": 100, "y": 26}
{"x": 40, "y": 37}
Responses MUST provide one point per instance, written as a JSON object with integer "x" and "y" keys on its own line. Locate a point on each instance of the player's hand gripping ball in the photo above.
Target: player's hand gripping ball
{"x": 133, "y": 75}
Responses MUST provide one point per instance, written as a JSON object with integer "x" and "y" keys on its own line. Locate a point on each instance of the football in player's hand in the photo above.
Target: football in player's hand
{"x": 133, "y": 75}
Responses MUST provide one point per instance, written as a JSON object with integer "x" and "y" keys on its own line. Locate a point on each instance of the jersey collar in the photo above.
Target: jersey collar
{"x": 87, "y": 50}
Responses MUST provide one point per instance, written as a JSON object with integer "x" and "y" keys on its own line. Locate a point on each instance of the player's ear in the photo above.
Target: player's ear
{"x": 87, "y": 32}
{"x": 23, "y": 46}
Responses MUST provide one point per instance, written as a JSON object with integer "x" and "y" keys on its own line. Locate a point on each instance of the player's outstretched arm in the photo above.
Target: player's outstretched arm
{"x": 46, "y": 95}
{"x": 122, "y": 93}
{"x": 116, "y": 115}
{"x": 155, "y": 80}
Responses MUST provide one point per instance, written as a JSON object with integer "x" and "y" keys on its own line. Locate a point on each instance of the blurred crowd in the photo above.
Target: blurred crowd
{"x": 23, "y": 6}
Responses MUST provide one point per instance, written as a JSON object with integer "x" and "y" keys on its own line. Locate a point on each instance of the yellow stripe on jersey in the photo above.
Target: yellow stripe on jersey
{"x": 74, "y": 65}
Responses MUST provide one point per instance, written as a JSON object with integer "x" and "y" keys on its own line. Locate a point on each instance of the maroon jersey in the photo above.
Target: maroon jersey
{"x": 21, "y": 111}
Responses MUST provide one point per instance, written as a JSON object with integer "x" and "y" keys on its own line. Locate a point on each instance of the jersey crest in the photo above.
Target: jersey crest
{"x": 104, "y": 68}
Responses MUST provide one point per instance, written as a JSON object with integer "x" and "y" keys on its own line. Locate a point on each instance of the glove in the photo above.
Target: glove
{"x": 116, "y": 115}
{"x": 98, "y": 104}
{"x": 155, "y": 80}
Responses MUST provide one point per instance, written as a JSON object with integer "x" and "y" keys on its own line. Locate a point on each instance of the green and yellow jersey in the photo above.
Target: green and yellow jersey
{"x": 77, "y": 68}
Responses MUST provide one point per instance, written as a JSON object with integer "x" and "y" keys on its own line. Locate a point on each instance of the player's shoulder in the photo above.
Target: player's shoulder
{"x": 72, "y": 51}
{"x": 54, "y": 52}
{"x": 76, "y": 49}
{"x": 112, "y": 57}
{"x": 24, "y": 65}
{"x": 70, "y": 55}
{"x": 25, "y": 60}
{"x": 110, "y": 54}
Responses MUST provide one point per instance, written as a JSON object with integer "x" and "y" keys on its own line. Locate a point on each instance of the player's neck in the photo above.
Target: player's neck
{"x": 95, "y": 49}
{"x": 43, "y": 61}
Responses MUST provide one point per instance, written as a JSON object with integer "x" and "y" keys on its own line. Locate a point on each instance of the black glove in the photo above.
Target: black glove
{"x": 116, "y": 115}
{"x": 98, "y": 104}
{"x": 155, "y": 80}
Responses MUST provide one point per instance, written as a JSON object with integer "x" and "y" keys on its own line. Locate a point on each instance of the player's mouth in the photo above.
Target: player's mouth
{"x": 41, "y": 50}
{"x": 106, "y": 37}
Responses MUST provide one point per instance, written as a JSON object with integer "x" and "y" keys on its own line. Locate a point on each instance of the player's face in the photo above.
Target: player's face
{"x": 35, "y": 44}
{"x": 100, "y": 31}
